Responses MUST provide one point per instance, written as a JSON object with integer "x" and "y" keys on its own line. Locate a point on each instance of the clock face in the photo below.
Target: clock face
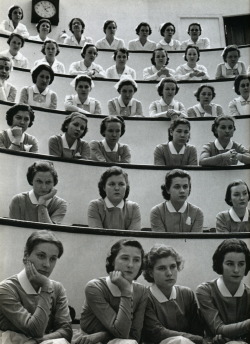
{"x": 45, "y": 9}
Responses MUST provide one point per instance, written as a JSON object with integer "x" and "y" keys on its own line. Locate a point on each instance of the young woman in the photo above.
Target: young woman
{"x": 224, "y": 302}
{"x": 7, "y": 90}
{"x": 19, "y": 118}
{"x": 224, "y": 151}
{"x": 87, "y": 66}
{"x": 177, "y": 151}
{"x": 43, "y": 28}
{"x": 39, "y": 93}
{"x": 109, "y": 149}
{"x": 143, "y": 30}
{"x": 169, "y": 322}
{"x": 110, "y": 41}
{"x": 176, "y": 214}
{"x": 167, "y": 31}
{"x": 231, "y": 66}
{"x": 13, "y": 24}
{"x": 125, "y": 105}
{"x": 51, "y": 49}
{"x": 120, "y": 68}
{"x": 77, "y": 27}
{"x": 158, "y": 70}
{"x": 191, "y": 70}
{"x": 194, "y": 31}
{"x": 16, "y": 42}
{"x": 167, "y": 88}
{"x": 41, "y": 203}
{"x": 70, "y": 144}
{"x": 205, "y": 94}
{"x": 241, "y": 105}
{"x": 237, "y": 218}
{"x": 81, "y": 102}
{"x": 34, "y": 308}
{"x": 113, "y": 210}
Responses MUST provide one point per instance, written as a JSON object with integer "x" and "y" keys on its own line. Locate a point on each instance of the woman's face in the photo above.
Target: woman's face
{"x": 43, "y": 80}
{"x": 194, "y": 32}
{"x": 44, "y": 28}
{"x": 127, "y": 92}
{"x": 16, "y": 15}
{"x": 43, "y": 182}
{"x": 168, "y": 92}
{"x": 83, "y": 88}
{"x": 115, "y": 188}
{"x": 232, "y": 58}
{"x": 76, "y": 26}
{"x": 181, "y": 134}
{"x": 225, "y": 129}
{"x": 121, "y": 59}
{"x": 239, "y": 196}
{"x": 244, "y": 88}
{"x": 165, "y": 273}
{"x": 179, "y": 190}
{"x": 76, "y": 128}
{"x": 50, "y": 50}
{"x": 160, "y": 58}
{"x": 234, "y": 267}
{"x": 112, "y": 133}
{"x": 5, "y": 68}
{"x": 90, "y": 54}
{"x": 192, "y": 55}
{"x": 128, "y": 261}
{"x": 206, "y": 96}
{"x": 144, "y": 32}
{"x": 21, "y": 119}
{"x": 15, "y": 45}
{"x": 111, "y": 29}
{"x": 169, "y": 32}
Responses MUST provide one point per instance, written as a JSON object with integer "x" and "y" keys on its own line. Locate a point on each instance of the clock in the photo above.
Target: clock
{"x": 48, "y": 9}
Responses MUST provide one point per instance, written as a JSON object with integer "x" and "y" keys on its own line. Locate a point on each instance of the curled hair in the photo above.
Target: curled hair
{"x": 70, "y": 118}
{"x": 13, "y": 8}
{"x": 163, "y": 28}
{"x": 237, "y": 182}
{"x": 115, "y": 249}
{"x": 157, "y": 252}
{"x": 193, "y": 47}
{"x": 48, "y": 41}
{"x": 174, "y": 124}
{"x": 106, "y": 24}
{"x": 230, "y": 245}
{"x": 12, "y": 35}
{"x": 112, "y": 119}
{"x": 40, "y": 237}
{"x": 138, "y": 28}
{"x": 112, "y": 171}
{"x": 71, "y": 24}
{"x": 39, "y": 69}
{"x": 165, "y": 81}
{"x": 123, "y": 51}
{"x": 126, "y": 82}
{"x": 197, "y": 24}
{"x": 12, "y": 111}
{"x": 200, "y": 88}
{"x": 155, "y": 52}
{"x": 41, "y": 166}
{"x": 229, "y": 48}
{"x": 237, "y": 81}
{"x": 168, "y": 181}
{"x": 217, "y": 123}
{"x": 9, "y": 60}
{"x": 85, "y": 48}
{"x": 44, "y": 20}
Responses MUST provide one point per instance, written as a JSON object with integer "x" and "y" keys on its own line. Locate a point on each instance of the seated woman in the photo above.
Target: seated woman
{"x": 87, "y": 66}
{"x": 176, "y": 214}
{"x": 225, "y": 301}
{"x": 7, "y": 90}
{"x": 109, "y": 149}
{"x": 81, "y": 102}
{"x": 39, "y": 93}
{"x": 177, "y": 151}
{"x": 34, "y": 308}
{"x": 158, "y": 70}
{"x": 120, "y": 68}
{"x": 224, "y": 151}
{"x": 231, "y": 65}
{"x": 70, "y": 144}
{"x": 167, "y": 31}
{"x": 205, "y": 94}
{"x": 19, "y": 117}
{"x": 143, "y": 30}
{"x": 43, "y": 28}
{"x": 191, "y": 70}
{"x": 194, "y": 31}
{"x": 169, "y": 322}
{"x": 167, "y": 107}
{"x": 16, "y": 42}
{"x": 237, "y": 218}
{"x": 125, "y": 105}
{"x": 110, "y": 41}
{"x": 13, "y": 24}
{"x": 241, "y": 105}
{"x": 114, "y": 305}
{"x": 41, "y": 203}
{"x": 77, "y": 27}
{"x": 51, "y": 49}
{"x": 113, "y": 210}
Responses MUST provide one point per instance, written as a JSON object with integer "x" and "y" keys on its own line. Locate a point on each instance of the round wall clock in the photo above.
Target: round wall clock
{"x": 48, "y": 9}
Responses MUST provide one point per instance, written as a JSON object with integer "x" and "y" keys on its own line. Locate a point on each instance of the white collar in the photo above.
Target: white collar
{"x": 236, "y": 218}
{"x": 228, "y": 67}
{"x": 219, "y": 146}
{"x": 115, "y": 291}
{"x": 163, "y": 42}
{"x": 241, "y": 99}
{"x": 162, "y": 102}
{"x": 200, "y": 108}
{"x": 186, "y": 66}
{"x": 18, "y": 56}
{"x": 35, "y": 90}
{"x": 65, "y": 143}
{"x": 160, "y": 297}
{"x": 34, "y": 200}
{"x": 173, "y": 150}
{"x": 111, "y": 205}
{"x": 225, "y": 292}
{"x": 107, "y": 148}
{"x": 87, "y": 101}
{"x": 120, "y": 101}
{"x": 25, "y": 283}
{"x": 11, "y": 137}
{"x": 171, "y": 208}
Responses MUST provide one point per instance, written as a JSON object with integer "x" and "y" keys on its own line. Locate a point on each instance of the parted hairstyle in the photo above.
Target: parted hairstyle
{"x": 112, "y": 171}
{"x": 12, "y": 35}
{"x": 138, "y": 28}
{"x": 13, "y": 110}
{"x": 174, "y": 124}
{"x": 165, "y": 81}
{"x": 12, "y": 8}
{"x": 41, "y": 166}
{"x": 9, "y": 60}
{"x": 123, "y": 51}
{"x": 70, "y": 118}
{"x": 230, "y": 245}
{"x": 197, "y": 24}
{"x": 237, "y": 81}
{"x": 163, "y": 28}
{"x": 71, "y": 24}
{"x": 115, "y": 249}
{"x": 48, "y": 41}
{"x": 37, "y": 70}
{"x": 193, "y": 47}
{"x": 44, "y": 20}
{"x": 112, "y": 119}
{"x": 228, "y": 191}
{"x": 126, "y": 82}
{"x": 157, "y": 252}
{"x": 86, "y": 46}
{"x": 154, "y": 53}
{"x": 200, "y": 88}
{"x": 217, "y": 123}
{"x": 40, "y": 237}
{"x": 106, "y": 24}
{"x": 229, "y": 48}
{"x": 168, "y": 181}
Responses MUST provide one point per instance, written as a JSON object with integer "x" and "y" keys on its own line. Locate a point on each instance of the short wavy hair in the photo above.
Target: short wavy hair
{"x": 112, "y": 171}
{"x": 106, "y": 24}
{"x": 138, "y": 28}
{"x": 12, "y": 8}
{"x": 230, "y": 245}
{"x": 44, "y": 20}
{"x": 41, "y": 166}
{"x": 229, "y": 187}
{"x": 168, "y": 181}
{"x": 237, "y": 81}
{"x": 71, "y": 23}
{"x": 197, "y": 24}
{"x": 48, "y": 41}
{"x": 112, "y": 119}
{"x": 12, "y": 35}
{"x": 13, "y": 110}
{"x": 39, "y": 68}
{"x": 126, "y": 82}
{"x": 69, "y": 118}
{"x": 123, "y": 51}
{"x": 7, "y": 59}
{"x": 174, "y": 124}
{"x": 155, "y": 52}
{"x": 85, "y": 48}
{"x": 217, "y": 123}
{"x": 115, "y": 249}
{"x": 232, "y": 47}
{"x": 193, "y": 47}
{"x": 200, "y": 88}
{"x": 165, "y": 81}
{"x": 157, "y": 252}
{"x": 163, "y": 28}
